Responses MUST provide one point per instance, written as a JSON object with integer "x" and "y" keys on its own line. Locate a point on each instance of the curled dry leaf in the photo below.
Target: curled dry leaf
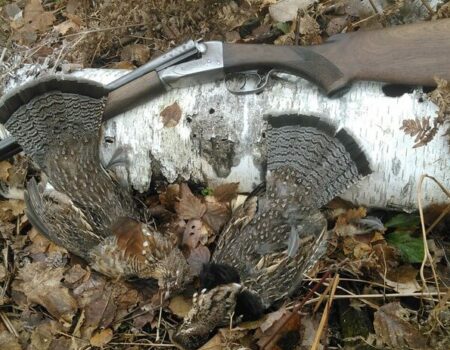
{"x": 171, "y": 115}
{"x": 41, "y": 284}
{"x": 217, "y": 215}
{"x": 44, "y": 334}
{"x": 137, "y": 53}
{"x": 143, "y": 319}
{"x": 392, "y": 328}
{"x": 101, "y": 338}
{"x": 197, "y": 257}
{"x": 8, "y": 341}
{"x": 10, "y": 209}
{"x": 38, "y": 19}
{"x": 66, "y": 27}
{"x": 75, "y": 274}
{"x": 402, "y": 279}
{"x": 195, "y": 233}
{"x": 4, "y": 170}
{"x": 189, "y": 206}
{"x": 170, "y": 196}
{"x": 226, "y": 192}
{"x": 269, "y": 337}
{"x": 180, "y": 305}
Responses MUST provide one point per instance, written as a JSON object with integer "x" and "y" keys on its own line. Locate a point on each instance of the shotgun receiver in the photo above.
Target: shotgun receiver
{"x": 410, "y": 54}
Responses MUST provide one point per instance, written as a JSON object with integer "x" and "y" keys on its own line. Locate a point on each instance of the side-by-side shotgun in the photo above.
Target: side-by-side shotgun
{"x": 409, "y": 54}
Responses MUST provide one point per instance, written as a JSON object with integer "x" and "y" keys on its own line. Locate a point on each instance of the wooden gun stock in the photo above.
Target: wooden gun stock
{"x": 409, "y": 54}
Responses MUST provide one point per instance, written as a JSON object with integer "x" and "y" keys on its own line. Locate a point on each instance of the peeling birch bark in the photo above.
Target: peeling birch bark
{"x": 219, "y": 137}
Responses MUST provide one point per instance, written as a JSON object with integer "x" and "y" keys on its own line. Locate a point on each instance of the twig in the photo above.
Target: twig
{"x": 427, "y": 254}
{"x": 104, "y": 29}
{"x": 325, "y": 314}
{"x": 8, "y": 324}
{"x": 156, "y": 345}
{"x": 440, "y": 217}
{"x": 159, "y": 318}
{"x": 372, "y": 305}
{"x": 376, "y": 296}
{"x": 297, "y": 27}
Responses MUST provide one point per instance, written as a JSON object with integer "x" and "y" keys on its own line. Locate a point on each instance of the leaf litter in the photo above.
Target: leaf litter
{"x": 52, "y": 300}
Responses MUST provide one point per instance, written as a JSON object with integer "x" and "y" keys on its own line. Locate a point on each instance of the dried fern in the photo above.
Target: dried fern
{"x": 422, "y": 129}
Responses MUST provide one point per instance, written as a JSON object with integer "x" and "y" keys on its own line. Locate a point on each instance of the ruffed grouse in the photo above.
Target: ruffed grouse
{"x": 273, "y": 238}
{"x": 57, "y": 122}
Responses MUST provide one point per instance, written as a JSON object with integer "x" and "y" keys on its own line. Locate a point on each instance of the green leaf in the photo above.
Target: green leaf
{"x": 285, "y": 27}
{"x": 403, "y": 221}
{"x": 207, "y": 191}
{"x": 410, "y": 247}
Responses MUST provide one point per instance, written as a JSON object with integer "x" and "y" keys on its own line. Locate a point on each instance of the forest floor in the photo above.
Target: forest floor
{"x": 384, "y": 281}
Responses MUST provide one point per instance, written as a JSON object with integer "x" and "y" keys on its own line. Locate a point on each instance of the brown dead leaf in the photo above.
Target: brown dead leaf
{"x": 171, "y": 115}
{"x": 67, "y": 27}
{"x": 189, "y": 206}
{"x": 271, "y": 318}
{"x": 4, "y": 170}
{"x": 10, "y": 209}
{"x": 352, "y": 246}
{"x": 142, "y": 320}
{"x": 39, "y": 244}
{"x": 121, "y": 65}
{"x": 403, "y": 279}
{"x": 215, "y": 343}
{"x": 19, "y": 171}
{"x": 75, "y": 274}
{"x": 269, "y": 332}
{"x": 8, "y": 341}
{"x": 195, "y": 233}
{"x": 72, "y": 6}
{"x": 42, "y": 335}
{"x": 217, "y": 215}
{"x": 101, "y": 311}
{"x": 169, "y": 197}
{"x": 36, "y": 18}
{"x": 180, "y": 305}
{"x": 395, "y": 331}
{"x": 41, "y": 284}
{"x": 101, "y": 338}
{"x": 226, "y": 192}
{"x": 197, "y": 257}
{"x": 136, "y": 53}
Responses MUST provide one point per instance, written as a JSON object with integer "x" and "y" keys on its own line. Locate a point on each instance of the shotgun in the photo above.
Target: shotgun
{"x": 411, "y": 54}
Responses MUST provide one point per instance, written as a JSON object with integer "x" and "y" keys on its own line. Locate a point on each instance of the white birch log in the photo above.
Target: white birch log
{"x": 219, "y": 137}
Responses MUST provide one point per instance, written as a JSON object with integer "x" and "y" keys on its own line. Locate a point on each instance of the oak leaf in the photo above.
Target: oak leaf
{"x": 189, "y": 206}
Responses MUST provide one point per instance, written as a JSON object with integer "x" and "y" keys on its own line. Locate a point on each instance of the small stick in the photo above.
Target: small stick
{"x": 427, "y": 254}
{"x": 297, "y": 27}
{"x": 159, "y": 318}
{"x": 8, "y": 324}
{"x": 325, "y": 314}
{"x": 104, "y": 29}
{"x": 376, "y": 296}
